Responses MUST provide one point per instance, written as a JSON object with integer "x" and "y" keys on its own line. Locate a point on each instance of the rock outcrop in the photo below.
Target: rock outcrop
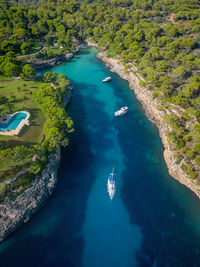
{"x": 52, "y": 62}
{"x": 154, "y": 114}
{"x": 14, "y": 213}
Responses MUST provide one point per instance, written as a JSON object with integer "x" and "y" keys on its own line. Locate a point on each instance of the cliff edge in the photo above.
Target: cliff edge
{"x": 14, "y": 213}
{"x": 154, "y": 114}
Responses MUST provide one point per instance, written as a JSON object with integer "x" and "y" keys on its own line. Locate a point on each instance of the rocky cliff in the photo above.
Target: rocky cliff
{"x": 154, "y": 114}
{"x": 15, "y": 213}
{"x": 52, "y": 62}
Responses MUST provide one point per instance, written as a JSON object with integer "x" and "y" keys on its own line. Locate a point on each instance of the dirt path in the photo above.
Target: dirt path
{"x": 29, "y": 55}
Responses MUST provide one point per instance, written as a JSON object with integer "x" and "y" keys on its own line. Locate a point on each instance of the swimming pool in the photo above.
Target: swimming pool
{"x": 13, "y": 123}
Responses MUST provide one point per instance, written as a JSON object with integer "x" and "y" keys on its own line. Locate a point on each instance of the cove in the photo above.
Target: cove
{"x": 152, "y": 221}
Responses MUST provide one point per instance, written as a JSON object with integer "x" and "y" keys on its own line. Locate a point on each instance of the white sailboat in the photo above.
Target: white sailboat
{"x": 107, "y": 79}
{"x": 121, "y": 111}
{"x": 111, "y": 185}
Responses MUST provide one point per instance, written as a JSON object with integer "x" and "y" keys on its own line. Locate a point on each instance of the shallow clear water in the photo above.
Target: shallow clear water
{"x": 152, "y": 221}
{"x": 13, "y": 123}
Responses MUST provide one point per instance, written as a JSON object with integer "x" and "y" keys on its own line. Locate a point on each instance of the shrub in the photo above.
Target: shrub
{"x": 191, "y": 173}
{"x": 3, "y": 189}
{"x": 183, "y": 167}
{"x": 189, "y": 153}
{"x": 197, "y": 160}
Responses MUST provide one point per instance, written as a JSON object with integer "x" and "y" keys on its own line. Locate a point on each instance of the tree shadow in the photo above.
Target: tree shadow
{"x": 34, "y": 113}
{"x": 24, "y": 130}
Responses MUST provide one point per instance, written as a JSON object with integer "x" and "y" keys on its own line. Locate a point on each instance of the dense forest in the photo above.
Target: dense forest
{"x": 160, "y": 38}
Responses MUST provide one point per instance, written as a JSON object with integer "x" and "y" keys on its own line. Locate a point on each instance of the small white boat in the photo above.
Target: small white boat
{"x": 121, "y": 111}
{"x": 111, "y": 185}
{"x": 107, "y": 79}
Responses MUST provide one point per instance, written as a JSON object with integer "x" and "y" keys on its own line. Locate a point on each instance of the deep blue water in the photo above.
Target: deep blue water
{"x": 13, "y": 123}
{"x": 152, "y": 221}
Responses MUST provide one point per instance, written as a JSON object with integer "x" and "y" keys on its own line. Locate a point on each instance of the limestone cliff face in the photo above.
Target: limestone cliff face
{"x": 14, "y": 213}
{"x": 155, "y": 115}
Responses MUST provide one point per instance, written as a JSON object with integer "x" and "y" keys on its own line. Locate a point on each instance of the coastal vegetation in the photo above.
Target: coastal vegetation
{"x": 25, "y": 155}
{"x": 160, "y": 39}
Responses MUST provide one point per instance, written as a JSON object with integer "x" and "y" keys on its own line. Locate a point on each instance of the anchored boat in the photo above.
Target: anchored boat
{"x": 121, "y": 111}
{"x": 111, "y": 185}
{"x": 107, "y": 79}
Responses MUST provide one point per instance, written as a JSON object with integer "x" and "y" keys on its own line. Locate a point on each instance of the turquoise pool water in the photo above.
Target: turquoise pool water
{"x": 13, "y": 122}
{"x": 153, "y": 221}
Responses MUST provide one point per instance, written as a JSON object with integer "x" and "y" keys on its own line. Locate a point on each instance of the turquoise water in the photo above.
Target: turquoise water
{"x": 152, "y": 221}
{"x": 13, "y": 122}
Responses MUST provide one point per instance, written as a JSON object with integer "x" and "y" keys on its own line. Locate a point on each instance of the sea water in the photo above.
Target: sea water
{"x": 152, "y": 220}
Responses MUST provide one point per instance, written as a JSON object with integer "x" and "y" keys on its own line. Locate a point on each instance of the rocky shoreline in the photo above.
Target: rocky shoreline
{"x": 14, "y": 213}
{"x": 56, "y": 59}
{"x": 52, "y": 62}
{"x": 156, "y": 116}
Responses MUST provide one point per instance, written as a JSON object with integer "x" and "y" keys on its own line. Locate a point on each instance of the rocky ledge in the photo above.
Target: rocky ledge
{"x": 156, "y": 116}
{"x": 14, "y": 213}
{"x": 53, "y": 61}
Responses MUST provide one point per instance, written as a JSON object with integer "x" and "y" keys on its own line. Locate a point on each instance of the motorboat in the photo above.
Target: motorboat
{"x": 107, "y": 79}
{"x": 121, "y": 111}
{"x": 111, "y": 185}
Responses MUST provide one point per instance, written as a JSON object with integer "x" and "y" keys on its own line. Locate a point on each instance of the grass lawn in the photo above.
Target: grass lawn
{"x": 19, "y": 92}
